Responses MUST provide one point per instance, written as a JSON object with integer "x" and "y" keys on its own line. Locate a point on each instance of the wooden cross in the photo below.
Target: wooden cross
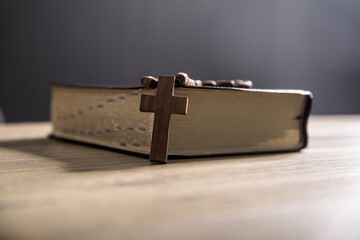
{"x": 163, "y": 105}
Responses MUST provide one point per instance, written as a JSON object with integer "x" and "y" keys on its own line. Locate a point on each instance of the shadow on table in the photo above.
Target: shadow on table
{"x": 46, "y": 153}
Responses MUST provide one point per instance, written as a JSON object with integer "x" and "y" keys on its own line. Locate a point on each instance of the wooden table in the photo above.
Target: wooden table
{"x": 51, "y": 189}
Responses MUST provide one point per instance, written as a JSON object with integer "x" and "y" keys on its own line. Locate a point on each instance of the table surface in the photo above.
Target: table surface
{"x": 53, "y": 189}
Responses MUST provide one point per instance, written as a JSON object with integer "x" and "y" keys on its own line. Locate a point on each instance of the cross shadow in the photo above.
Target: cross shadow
{"x": 48, "y": 153}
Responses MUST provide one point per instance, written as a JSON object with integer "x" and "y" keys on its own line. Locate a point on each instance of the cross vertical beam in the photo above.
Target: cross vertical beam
{"x": 163, "y": 105}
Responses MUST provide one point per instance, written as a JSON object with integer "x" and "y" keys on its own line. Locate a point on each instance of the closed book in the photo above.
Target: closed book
{"x": 219, "y": 120}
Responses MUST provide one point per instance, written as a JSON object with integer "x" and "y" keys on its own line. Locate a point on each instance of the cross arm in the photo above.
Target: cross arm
{"x": 179, "y": 105}
{"x": 147, "y": 103}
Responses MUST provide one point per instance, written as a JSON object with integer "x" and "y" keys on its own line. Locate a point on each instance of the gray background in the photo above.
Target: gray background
{"x": 305, "y": 44}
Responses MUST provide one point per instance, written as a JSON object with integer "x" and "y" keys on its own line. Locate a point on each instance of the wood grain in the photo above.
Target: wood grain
{"x": 59, "y": 190}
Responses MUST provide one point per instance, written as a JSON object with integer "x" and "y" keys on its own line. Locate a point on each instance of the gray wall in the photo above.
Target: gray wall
{"x": 306, "y": 44}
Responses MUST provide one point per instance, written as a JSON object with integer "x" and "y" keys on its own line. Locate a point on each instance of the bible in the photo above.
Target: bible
{"x": 183, "y": 118}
